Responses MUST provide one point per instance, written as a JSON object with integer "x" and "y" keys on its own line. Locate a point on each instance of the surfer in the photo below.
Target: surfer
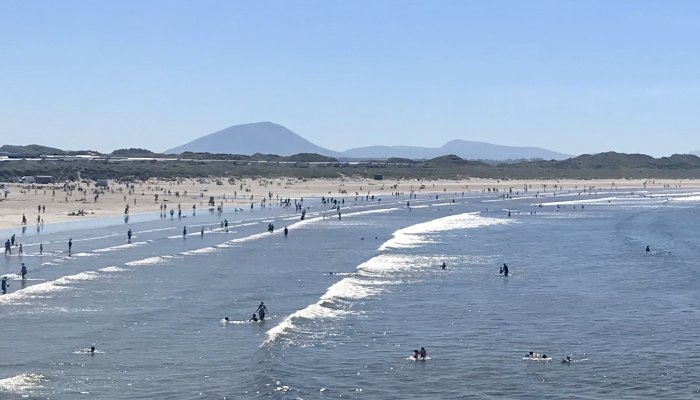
{"x": 444, "y": 265}
{"x": 128, "y": 235}
{"x": 262, "y": 310}
{"x": 4, "y": 285}
{"x": 254, "y": 318}
{"x": 504, "y": 270}
{"x": 23, "y": 272}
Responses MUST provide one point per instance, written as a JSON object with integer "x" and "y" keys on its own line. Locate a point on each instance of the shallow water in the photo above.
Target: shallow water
{"x": 581, "y": 284}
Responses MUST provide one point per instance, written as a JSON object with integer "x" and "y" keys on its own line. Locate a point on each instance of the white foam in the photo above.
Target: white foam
{"x": 112, "y": 269}
{"x": 149, "y": 261}
{"x": 380, "y": 211}
{"x": 204, "y": 250}
{"x": 46, "y": 288}
{"x": 414, "y": 235}
{"x": 21, "y": 383}
{"x": 316, "y": 310}
{"x": 83, "y": 255}
{"x": 121, "y": 247}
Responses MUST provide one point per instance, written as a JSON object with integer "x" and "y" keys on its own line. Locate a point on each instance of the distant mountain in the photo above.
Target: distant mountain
{"x": 260, "y": 137}
{"x": 462, "y": 148}
{"x": 269, "y": 138}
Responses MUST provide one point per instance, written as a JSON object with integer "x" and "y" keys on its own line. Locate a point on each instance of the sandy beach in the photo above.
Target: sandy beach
{"x": 72, "y": 200}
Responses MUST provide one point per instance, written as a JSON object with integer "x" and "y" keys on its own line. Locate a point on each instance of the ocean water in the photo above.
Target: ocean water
{"x": 581, "y": 284}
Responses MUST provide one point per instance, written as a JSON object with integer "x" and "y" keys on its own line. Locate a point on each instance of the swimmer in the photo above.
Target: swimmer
{"x": 254, "y": 318}
{"x": 567, "y": 360}
{"x": 423, "y": 353}
{"x": 226, "y": 320}
{"x": 416, "y": 354}
{"x": 648, "y": 250}
{"x": 92, "y": 350}
{"x": 444, "y": 265}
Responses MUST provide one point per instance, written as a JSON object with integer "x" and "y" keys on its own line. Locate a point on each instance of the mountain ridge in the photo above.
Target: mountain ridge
{"x": 271, "y": 138}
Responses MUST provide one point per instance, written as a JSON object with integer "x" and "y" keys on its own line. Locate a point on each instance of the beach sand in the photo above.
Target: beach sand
{"x": 23, "y": 199}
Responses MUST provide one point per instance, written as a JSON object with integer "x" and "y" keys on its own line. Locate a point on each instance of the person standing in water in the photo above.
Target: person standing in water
{"x": 70, "y": 245}
{"x": 41, "y": 248}
{"x": 23, "y": 272}
{"x": 648, "y": 250}
{"x": 4, "y": 285}
{"x": 184, "y": 231}
{"x": 262, "y": 310}
{"x": 444, "y": 265}
{"x": 128, "y": 235}
{"x": 504, "y": 270}
{"x": 286, "y": 231}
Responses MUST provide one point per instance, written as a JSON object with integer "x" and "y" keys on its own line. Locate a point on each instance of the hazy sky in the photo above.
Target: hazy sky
{"x": 571, "y": 76}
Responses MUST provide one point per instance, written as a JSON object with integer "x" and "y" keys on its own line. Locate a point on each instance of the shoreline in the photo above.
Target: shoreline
{"x": 154, "y": 196}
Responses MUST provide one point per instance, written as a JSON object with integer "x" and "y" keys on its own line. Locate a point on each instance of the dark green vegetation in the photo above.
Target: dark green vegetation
{"x": 63, "y": 165}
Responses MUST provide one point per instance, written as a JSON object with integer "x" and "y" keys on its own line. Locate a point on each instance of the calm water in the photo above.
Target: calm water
{"x": 581, "y": 284}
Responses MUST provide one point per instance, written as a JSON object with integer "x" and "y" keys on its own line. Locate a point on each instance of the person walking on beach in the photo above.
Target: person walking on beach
{"x": 70, "y": 245}
{"x": 128, "y": 235}
{"x": 4, "y": 285}
{"x": 23, "y": 272}
{"x": 261, "y": 311}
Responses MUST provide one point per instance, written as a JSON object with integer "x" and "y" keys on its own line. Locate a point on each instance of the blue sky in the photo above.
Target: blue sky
{"x": 571, "y": 76}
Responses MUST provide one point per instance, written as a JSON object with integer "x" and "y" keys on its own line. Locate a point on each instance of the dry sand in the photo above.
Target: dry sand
{"x": 59, "y": 202}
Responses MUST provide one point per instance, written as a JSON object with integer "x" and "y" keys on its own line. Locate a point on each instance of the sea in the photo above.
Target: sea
{"x": 351, "y": 296}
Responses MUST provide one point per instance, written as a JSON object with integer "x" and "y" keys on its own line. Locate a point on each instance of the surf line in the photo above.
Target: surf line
{"x": 374, "y": 275}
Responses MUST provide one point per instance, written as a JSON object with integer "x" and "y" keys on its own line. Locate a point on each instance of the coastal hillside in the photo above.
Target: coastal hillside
{"x": 260, "y": 137}
{"x": 462, "y": 148}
